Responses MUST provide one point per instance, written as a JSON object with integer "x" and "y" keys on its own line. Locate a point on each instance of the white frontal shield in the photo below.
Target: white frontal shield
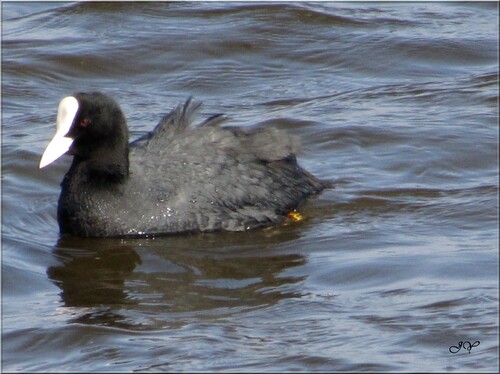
{"x": 60, "y": 144}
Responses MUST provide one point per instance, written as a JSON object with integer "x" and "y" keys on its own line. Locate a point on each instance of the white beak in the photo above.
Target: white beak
{"x": 60, "y": 144}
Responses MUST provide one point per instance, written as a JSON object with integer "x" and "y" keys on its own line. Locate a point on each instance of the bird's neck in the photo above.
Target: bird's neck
{"x": 102, "y": 169}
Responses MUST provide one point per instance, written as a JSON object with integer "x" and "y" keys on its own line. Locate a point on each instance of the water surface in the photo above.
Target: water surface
{"x": 396, "y": 103}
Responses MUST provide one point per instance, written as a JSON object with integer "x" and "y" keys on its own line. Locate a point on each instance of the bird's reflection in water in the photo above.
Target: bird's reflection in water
{"x": 157, "y": 283}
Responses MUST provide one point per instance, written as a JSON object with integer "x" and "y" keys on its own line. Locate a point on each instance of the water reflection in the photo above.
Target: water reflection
{"x": 149, "y": 284}
{"x": 92, "y": 274}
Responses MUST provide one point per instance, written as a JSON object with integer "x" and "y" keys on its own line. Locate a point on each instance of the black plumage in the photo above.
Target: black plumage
{"x": 177, "y": 178}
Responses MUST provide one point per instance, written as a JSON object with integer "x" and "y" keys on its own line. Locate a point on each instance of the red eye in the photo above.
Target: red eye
{"x": 85, "y": 122}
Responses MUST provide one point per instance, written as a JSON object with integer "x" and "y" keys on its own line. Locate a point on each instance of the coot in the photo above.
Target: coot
{"x": 178, "y": 178}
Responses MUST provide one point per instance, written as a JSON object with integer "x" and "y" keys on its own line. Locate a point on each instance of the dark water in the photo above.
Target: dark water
{"x": 396, "y": 102}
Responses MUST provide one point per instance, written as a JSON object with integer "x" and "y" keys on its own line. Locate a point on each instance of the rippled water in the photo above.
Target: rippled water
{"x": 395, "y": 102}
